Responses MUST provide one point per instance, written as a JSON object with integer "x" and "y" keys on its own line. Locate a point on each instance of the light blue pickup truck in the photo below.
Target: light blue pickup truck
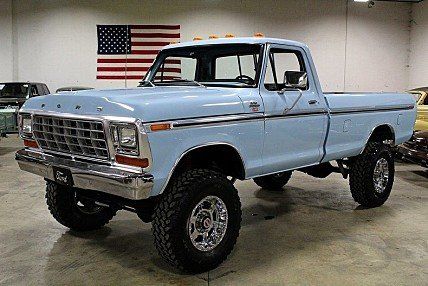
{"x": 207, "y": 113}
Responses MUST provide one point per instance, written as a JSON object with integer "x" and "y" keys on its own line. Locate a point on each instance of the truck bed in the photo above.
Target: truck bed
{"x": 355, "y": 115}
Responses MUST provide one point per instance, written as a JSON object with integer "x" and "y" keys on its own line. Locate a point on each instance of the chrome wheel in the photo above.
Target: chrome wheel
{"x": 207, "y": 223}
{"x": 381, "y": 175}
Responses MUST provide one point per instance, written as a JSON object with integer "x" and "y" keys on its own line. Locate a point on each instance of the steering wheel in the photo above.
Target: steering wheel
{"x": 245, "y": 78}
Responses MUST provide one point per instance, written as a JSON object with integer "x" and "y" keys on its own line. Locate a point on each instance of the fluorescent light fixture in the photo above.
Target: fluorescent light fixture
{"x": 361, "y": 0}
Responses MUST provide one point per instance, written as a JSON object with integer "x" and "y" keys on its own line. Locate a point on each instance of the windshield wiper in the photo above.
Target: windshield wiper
{"x": 194, "y": 81}
{"x": 143, "y": 82}
{"x": 185, "y": 80}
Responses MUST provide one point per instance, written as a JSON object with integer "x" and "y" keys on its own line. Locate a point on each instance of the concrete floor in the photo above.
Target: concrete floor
{"x": 312, "y": 233}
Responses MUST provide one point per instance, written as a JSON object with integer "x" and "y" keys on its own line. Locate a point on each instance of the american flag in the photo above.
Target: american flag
{"x": 125, "y": 52}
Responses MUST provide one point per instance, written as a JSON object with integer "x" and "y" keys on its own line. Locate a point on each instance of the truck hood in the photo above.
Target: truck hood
{"x": 145, "y": 103}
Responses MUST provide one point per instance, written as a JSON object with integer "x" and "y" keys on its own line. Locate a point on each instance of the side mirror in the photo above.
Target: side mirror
{"x": 296, "y": 79}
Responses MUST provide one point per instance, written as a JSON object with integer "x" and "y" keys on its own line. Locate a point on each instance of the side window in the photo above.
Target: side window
{"x": 46, "y": 89}
{"x": 40, "y": 89}
{"x": 236, "y": 67}
{"x": 33, "y": 91}
{"x": 188, "y": 68}
{"x": 425, "y": 100}
{"x": 279, "y": 62}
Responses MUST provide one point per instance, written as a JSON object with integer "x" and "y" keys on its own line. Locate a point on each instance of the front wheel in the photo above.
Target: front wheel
{"x": 197, "y": 221}
{"x": 74, "y": 211}
{"x": 372, "y": 175}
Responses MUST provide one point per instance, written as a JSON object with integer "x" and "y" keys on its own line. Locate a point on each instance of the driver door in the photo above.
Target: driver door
{"x": 295, "y": 124}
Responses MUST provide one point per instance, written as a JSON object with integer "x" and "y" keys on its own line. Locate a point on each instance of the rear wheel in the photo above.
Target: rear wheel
{"x": 273, "y": 182}
{"x": 197, "y": 221}
{"x": 74, "y": 211}
{"x": 372, "y": 175}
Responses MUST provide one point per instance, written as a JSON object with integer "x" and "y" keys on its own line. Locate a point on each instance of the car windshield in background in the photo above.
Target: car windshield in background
{"x": 416, "y": 95}
{"x": 231, "y": 65}
{"x": 13, "y": 90}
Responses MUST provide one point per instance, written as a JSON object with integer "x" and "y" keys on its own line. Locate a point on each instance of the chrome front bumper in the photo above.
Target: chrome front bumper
{"x": 92, "y": 176}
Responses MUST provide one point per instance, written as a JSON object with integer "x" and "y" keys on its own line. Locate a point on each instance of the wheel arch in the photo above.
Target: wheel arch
{"x": 380, "y": 133}
{"x": 235, "y": 166}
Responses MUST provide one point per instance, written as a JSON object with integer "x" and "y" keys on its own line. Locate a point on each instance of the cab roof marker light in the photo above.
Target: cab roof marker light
{"x": 213, "y": 36}
{"x": 229, "y": 35}
{"x": 197, "y": 38}
{"x": 259, "y": 35}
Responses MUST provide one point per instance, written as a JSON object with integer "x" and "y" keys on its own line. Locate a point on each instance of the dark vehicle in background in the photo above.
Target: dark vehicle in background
{"x": 14, "y": 94}
{"x": 72, "y": 88}
{"x": 416, "y": 149}
{"x": 12, "y": 97}
{"x": 8, "y": 121}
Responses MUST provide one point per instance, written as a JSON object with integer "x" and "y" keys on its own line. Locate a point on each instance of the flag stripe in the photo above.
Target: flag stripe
{"x": 177, "y": 70}
{"x": 145, "y": 52}
{"x": 144, "y": 61}
{"x": 155, "y": 35}
{"x": 151, "y": 44}
{"x": 166, "y": 27}
{"x": 132, "y": 77}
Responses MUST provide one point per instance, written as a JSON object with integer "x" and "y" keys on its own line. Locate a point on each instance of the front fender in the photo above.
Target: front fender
{"x": 169, "y": 146}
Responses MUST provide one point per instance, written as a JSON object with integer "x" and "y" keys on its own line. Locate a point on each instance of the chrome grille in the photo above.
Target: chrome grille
{"x": 72, "y": 136}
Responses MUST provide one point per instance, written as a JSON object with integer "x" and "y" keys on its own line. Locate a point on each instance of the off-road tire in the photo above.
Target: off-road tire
{"x": 63, "y": 207}
{"x": 173, "y": 211}
{"x": 273, "y": 182}
{"x": 361, "y": 175}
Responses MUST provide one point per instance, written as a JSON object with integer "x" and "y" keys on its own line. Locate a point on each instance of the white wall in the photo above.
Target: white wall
{"x": 55, "y": 41}
{"x": 6, "y": 56}
{"x": 378, "y": 47}
{"x": 419, "y": 46}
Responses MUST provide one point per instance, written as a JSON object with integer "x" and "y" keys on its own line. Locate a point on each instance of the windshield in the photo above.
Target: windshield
{"x": 416, "y": 95}
{"x": 13, "y": 90}
{"x": 231, "y": 65}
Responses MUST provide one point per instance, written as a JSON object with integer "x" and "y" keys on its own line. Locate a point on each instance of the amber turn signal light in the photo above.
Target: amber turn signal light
{"x": 31, "y": 143}
{"x": 137, "y": 162}
{"x": 160, "y": 126}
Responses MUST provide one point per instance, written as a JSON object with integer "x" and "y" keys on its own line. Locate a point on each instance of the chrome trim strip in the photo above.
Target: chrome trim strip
{"x": 297, "y": 114}
{"x": 234, "y": 118}
{"x": 108, "y": 179}
{"x": 79, "y": 116}
{"x": 194, "y": 148}
{"x": 217, "y": 119}
{"x": 335, "y": 111}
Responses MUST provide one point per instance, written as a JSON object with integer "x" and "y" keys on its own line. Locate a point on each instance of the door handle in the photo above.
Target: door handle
{"x": 313, "y": 101}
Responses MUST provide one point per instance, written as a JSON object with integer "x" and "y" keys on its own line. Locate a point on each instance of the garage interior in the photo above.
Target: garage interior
{"x": 311, "y": 233}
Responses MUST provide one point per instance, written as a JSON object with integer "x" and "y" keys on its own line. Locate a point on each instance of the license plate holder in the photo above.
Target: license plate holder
{"x": 63, "y": 176}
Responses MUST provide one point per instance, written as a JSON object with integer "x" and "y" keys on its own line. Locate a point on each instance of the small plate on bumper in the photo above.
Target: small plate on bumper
{"x": 62, "y": 176}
